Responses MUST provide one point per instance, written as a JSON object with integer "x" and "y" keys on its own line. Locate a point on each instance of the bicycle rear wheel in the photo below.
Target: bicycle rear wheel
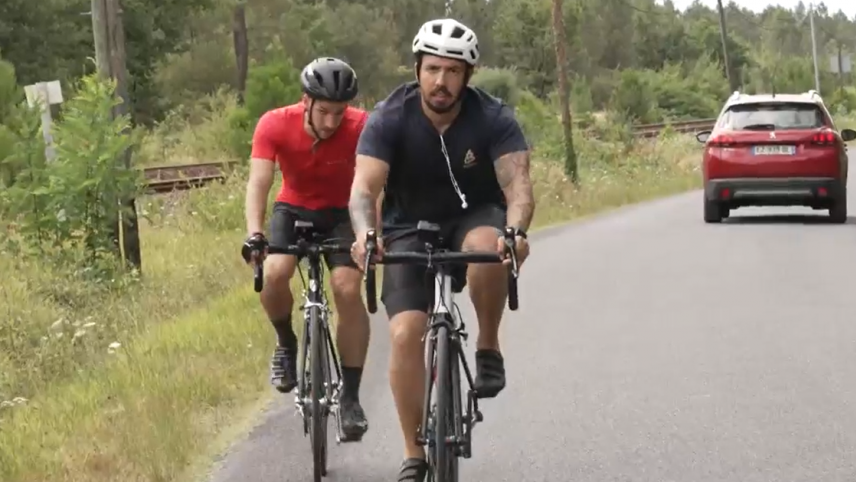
{"x": 319, "y": 374}
{"x": 446, "y": 461}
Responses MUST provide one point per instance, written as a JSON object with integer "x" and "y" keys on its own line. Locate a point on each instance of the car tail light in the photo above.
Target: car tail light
{"x": 721, "y": 141}
{"x": 824, "y": 139}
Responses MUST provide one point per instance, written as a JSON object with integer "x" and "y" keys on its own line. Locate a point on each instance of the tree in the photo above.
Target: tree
{"x": 564, "y": 90}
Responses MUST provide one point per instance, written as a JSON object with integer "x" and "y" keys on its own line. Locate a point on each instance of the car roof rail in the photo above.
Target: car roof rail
{"x": 815, "y": 95}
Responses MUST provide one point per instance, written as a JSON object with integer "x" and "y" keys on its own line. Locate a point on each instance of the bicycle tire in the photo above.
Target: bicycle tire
{"x": 456, "y": 422}
{"x": 445, "y": 465}
{"x": 318, "y": 437}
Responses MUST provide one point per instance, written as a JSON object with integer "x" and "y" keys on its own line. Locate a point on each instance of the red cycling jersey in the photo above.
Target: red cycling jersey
{"x": 311, "y": 179}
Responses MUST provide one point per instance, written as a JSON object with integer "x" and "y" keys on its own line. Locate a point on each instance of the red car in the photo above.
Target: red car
{"x": 775, "y": 150}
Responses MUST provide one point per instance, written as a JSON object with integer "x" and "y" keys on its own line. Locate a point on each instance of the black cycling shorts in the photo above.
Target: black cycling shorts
{"x": 406, "y": 287}
{"x": 329, "y": 223}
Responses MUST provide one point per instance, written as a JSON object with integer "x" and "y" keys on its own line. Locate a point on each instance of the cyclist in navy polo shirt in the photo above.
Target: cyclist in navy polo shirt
{"x": 441, "y": 151}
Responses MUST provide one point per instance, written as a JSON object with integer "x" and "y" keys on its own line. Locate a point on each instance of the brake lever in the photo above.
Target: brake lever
{"x": 371, "y": 248}
{"x": 510, "y": 250}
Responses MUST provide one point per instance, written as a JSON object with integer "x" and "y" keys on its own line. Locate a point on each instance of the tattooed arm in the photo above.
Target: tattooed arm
{"x": 369, "y": 179}
{"x": 510, "y": 152}
{"x": 512, "y": 172}
{"x": 375, "y": 152}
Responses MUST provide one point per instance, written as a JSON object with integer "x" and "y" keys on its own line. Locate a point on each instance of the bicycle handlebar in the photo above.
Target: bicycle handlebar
{"x": 437, "y": 258}
{"x": 302, "y": 248}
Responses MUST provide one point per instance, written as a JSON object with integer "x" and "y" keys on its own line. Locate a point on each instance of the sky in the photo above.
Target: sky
{"x": 847, "y": 6}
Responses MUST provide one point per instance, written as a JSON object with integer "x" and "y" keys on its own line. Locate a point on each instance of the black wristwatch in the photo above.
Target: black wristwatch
{"x": 519, "y": 232}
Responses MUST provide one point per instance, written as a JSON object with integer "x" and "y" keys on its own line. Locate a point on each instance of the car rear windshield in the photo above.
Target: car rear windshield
{"x": 773, "y": 115}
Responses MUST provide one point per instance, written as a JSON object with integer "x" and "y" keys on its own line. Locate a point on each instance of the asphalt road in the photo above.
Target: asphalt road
{"x": 649, "y": 346}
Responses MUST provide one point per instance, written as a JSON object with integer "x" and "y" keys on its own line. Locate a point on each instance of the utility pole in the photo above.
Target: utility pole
{"x": 814, "y": 47}
{"x": 724, "y": 35}
{"x": 239, "y": 34}
{"x": 560, "y": 44}
{"x": 109, "y": 36}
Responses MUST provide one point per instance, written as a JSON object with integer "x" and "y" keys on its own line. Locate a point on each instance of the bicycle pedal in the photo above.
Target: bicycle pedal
{"x": 342, "y": 438}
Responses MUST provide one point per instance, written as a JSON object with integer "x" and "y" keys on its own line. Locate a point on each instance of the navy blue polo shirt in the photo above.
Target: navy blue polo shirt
{"x": 419, "y": 185}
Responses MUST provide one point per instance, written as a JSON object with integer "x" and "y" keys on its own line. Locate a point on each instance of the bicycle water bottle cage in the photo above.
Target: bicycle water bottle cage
{"x": 429, "y": 234}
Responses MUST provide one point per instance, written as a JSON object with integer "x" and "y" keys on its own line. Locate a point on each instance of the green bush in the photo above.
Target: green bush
{"x": 635, "y": 97}
{"x": 69, "y": 208}
{"x": 842, "y": 101}
{"x": 500, "y": 83}
{"x": 272, "y": 85}
{"x": 540, "y": 125}
{"x": 10, "y": 93}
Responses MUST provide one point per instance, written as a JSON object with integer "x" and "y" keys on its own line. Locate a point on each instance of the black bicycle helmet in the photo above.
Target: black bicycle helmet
{"x": 331, "y": 79}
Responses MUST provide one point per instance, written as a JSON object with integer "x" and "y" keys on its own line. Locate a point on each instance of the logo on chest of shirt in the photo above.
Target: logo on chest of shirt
{"x": 470, "y": 159}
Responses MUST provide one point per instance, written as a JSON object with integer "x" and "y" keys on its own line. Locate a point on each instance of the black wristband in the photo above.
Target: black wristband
{"x": 519, "y": 232}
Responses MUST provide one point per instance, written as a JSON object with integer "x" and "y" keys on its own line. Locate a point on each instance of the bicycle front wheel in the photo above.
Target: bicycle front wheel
{"x": 318, "y": 380}
{"x": 446, "y": 461}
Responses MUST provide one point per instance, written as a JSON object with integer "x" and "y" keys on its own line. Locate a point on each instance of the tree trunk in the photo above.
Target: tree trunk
{"x": 560, "y": 44}
{"x": 239, "y": 33}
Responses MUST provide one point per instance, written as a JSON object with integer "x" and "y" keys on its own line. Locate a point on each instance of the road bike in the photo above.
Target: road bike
{"x": 314, "y": 400}
{"x": 445, "y": 429}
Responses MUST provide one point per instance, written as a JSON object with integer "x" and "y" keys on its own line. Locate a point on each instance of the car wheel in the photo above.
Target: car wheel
{"x": 838, "y": 211}
{"x": 712, "y": 212}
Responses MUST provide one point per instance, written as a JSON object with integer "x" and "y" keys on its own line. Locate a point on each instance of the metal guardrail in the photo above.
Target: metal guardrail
{"x": 694, "y": 125}
{"x": 165, "y": 179}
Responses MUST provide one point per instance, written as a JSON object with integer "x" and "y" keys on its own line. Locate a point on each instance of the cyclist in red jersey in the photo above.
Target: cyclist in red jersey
{"x": 314, "y": 143}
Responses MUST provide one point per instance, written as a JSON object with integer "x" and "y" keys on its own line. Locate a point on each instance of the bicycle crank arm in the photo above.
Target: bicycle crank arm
{"x": 340, "y": 436}
{"x": 474, "y": 415}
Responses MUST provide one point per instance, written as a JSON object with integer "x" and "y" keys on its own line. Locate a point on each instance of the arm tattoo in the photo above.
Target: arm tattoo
{"x": 512, "y": 172}
{"x": 363, "y": 209}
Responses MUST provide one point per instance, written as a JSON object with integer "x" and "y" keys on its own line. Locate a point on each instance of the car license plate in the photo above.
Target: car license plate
{"x": 775, "y": 150}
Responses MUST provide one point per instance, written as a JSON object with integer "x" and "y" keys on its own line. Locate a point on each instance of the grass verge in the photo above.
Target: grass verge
{"x": 185, "y": 370}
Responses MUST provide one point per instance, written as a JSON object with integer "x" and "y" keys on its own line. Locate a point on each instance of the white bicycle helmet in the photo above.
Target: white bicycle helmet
{"x": 447, "y": 38}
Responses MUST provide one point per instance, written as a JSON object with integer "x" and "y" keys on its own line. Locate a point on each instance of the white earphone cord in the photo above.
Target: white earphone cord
{"x": 452, "y": 175}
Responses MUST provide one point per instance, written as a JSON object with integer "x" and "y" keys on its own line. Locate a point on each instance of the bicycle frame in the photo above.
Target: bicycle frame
{"x": 314, "y": 297}
{"x": 444, "y": 419}
{"x": 321, "y": 395}
{"x": 445, "y": 312}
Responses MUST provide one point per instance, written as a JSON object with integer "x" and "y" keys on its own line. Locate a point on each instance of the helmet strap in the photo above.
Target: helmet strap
{"x": 311, "y": 124}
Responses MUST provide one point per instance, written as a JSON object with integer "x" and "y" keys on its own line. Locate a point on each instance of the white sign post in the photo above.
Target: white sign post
{"x": 44, "y": 95}
{"x": 846, "y": 64}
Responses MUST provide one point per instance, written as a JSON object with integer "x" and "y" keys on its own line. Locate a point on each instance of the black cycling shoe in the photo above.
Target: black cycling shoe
{"x": 283, "y": 369}
{"x": 490, "y": 373}
{"x": 353, "y": 420}
{"x": 413, "y": 470}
